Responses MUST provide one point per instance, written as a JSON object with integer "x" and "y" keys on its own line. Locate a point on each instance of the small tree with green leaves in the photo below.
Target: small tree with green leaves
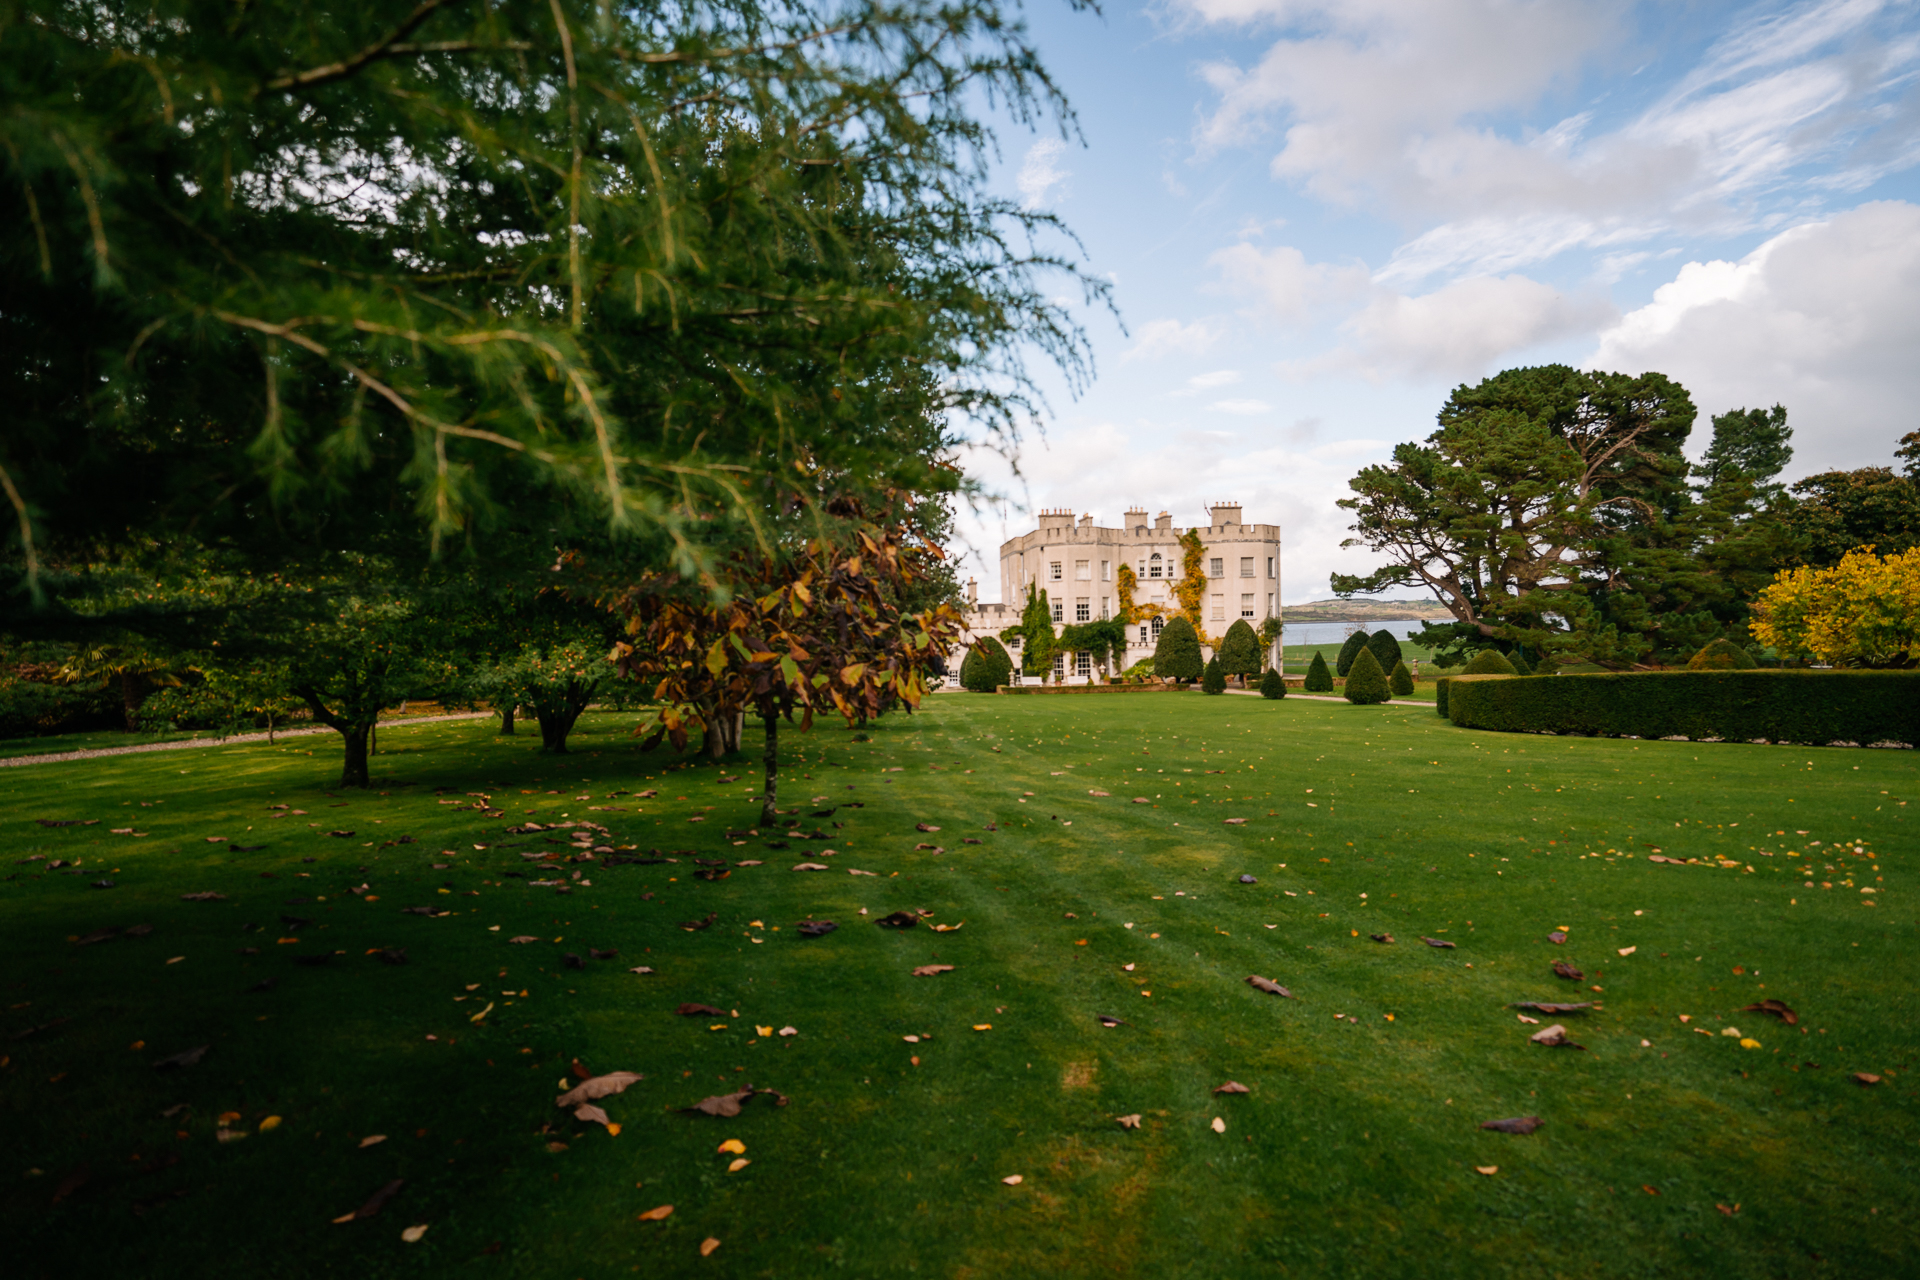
{"x": 1213, "y": 679}
{"x": 1239, "y": 653}
{"x": 1319, "y": 679}
{"x": 365, "y": 658}
{"x": 1401, "y": 681}
{"x": 1366, "y": 682}
{"x": 1273, "y": 684}
{"x": 556, "y": 683}
{"x": 1386, "y": 649}
{"x": 1177, "y": 656}
{"x": 1343, "y": 665}
{"x": 1038, "y": 644}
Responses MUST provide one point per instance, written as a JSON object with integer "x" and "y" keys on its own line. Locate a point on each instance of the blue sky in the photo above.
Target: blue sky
{"x": 1319, "y": 218}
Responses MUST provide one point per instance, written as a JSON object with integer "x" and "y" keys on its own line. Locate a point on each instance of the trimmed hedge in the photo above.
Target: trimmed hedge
{"x": 1319, "y": 679}
{"x": 1722, "y": 655}
{"x": 1273, "y": 684}
{"x": 1440, "y": 694}
{"x": 1177, "y": 656}
{"x": 1213, "y": 679}
{"x": 1816, "y": 707}
{"x": 1385, "y": 649}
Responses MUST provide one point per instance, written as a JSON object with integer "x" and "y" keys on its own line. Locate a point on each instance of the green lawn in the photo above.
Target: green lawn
{"x": 1353, "y": 1153}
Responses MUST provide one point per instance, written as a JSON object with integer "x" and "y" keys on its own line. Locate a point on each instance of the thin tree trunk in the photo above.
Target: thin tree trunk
{"x": 128, "y": 702}
{"x": 506, "y": 718}
{"x": 770, "y": 797}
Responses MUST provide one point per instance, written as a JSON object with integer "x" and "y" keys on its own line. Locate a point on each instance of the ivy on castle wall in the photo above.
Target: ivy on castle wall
{"x": 1191, "y": 590}
{"x": 1130, "y": 612}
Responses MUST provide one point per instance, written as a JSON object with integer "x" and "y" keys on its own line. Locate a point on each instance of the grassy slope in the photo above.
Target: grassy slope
{"x": 1353, "y": 1155}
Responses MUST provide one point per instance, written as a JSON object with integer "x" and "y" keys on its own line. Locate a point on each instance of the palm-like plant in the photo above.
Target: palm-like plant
{"x": 137, "y": 670}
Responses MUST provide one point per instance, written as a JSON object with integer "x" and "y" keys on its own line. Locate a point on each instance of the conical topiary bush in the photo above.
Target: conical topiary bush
{"x": 1239, "y": 653}
{"x": 1355, "y": 643}
{"x": 1520, "y": 665}
{"x": 1214, "y": 680}
{"x": 1319, "y": 679}
{"x": 1489, "y": 662}
{"x": 1721, "y": 655}
{"x": 1401, "y": 681}
{"x": 1177, "y": 656}
{"x": 1366, "y": 682}
{"x": 1273, "y": 684}
{"x": 1386, "y": 649}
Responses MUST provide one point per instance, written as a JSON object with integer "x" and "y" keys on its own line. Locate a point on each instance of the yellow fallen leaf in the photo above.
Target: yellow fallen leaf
{"x": 739, "y": 1164}
{"x": 1488, "y": 1169}
{"x": 372, "y": 1138}
{"x": 1219, "y": 1125}
{"x": 1627, "y": 951}
{"x": 732, "y": 1147}
{"x": 1749, "y": 1043}
{"x": 483, "y": 1013}
{"x": 656, "y": 1214}
{"x": 708, "y": 1245}
{"x": 228, "y": 1117}
{"x": 613, "y": 1130}
{"x": 345, "y": 1217}
{"x": 763, "y": 1031}
{"x": 1129, "y": 1122}
{"x": 412, "y": 1234}
{"x": 983, "y": 1026}
{"x": 271, "y": 1122}
{"x": 719, "y": 1026}
{"x": 1013, "y": 1179}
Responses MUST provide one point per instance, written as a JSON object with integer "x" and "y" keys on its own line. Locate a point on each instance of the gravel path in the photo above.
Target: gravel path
{"x": 188, "y": 743}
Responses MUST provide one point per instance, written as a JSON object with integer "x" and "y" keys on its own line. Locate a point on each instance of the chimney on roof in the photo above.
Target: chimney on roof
{"x": 1086, "y": 521}
{"x": 1225, "y": 513}
{"x": 973, "y": 595}
{"x": 1163, "y": 521}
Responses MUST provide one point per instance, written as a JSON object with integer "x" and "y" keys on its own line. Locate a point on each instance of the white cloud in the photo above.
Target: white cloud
{"x": 1241, "y": 406}
{"x": 1218, "y": 378}
{"x": 1824, "y": 318}
{"x": 1387, "y": 103}
{"x": 1169, "y": 337}
{"x": 1290, "y": 287}
{"x": 1040, "y": 172}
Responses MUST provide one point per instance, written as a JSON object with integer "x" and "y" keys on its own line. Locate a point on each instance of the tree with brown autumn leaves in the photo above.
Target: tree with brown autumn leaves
{"x": 814, "y": 627}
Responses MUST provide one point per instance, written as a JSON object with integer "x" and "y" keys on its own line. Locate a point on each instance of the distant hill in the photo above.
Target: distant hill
{"x": 1365, "y": 611}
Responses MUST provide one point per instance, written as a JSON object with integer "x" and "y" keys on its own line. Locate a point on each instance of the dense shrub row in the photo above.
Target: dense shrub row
{"x": 1736, "y": 705}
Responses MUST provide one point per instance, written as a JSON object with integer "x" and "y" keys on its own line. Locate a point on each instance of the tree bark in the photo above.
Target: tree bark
{"x": 506, "y": 718}
{"x": 130, "y": 705}
{"x": 770, "y": 796}
{"x": 554, "y": 730}
{"x": 353, "y": 772}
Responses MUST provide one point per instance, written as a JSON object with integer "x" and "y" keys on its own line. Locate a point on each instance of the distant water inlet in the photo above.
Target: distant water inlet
{"x": 1337, "y": 632}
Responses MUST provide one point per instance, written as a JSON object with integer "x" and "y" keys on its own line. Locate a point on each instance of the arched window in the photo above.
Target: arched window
{"x": 1153, "y": 565}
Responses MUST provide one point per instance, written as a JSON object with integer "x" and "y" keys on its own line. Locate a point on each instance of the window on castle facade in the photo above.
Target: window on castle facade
{"x": 1059, "y": 610}
{"x": 1219, "y": 568}
{"x": 1054, "y": 571}
{"x": 1219, "y": 609}
{"x": 1082, "y": 610}
{"x": 1246, "y": 566}
{"x": 1082, "y": 571}
{"x": 1246, "y": 605}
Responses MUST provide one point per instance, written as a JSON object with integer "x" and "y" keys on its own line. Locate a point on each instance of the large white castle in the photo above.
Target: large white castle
{"x": 1078, "y": 564}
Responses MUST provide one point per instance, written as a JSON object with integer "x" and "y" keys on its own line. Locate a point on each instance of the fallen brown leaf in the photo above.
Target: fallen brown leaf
{"x": 1567, "y": 971}
{"x": 708, "y": 1245}
{"x": 1438, "y": 942}
{"x": 656, "y": 1214}
{"x": 1778, "y": 1008}
{"x": 525, "y": 937}
{"x": 1865, "y": 1078}
{"x": 1108, "y": 1020}
{"x": 641, "y": 968}
{"x": 1517, "y": 1124}
{"x": 698, "y": 1010}
{"x": 1231, "y": 1086}
{"x": 1543, "y": 1006}
{"x": 928, "y": 970}
{"x": 208, "y": 896}
{"x": 924, "y": 826}
{"x": 1486, "y": 1170}
{"x": 1381, "y": 937}
{"x": 375, "y": 1202}
{"x": 898, "y": 920}
{"x": 1557, "y": 937}
{"x": 692, "y": 926}
{"x": 1129, "y": 1122}
{"x": 591, "y": 1114}
{"x": 816, "y": 928}
{"x": 598, "y": 1087}
{"x": 1267, "y": 985}
{"x": 1554, "y": 1037}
